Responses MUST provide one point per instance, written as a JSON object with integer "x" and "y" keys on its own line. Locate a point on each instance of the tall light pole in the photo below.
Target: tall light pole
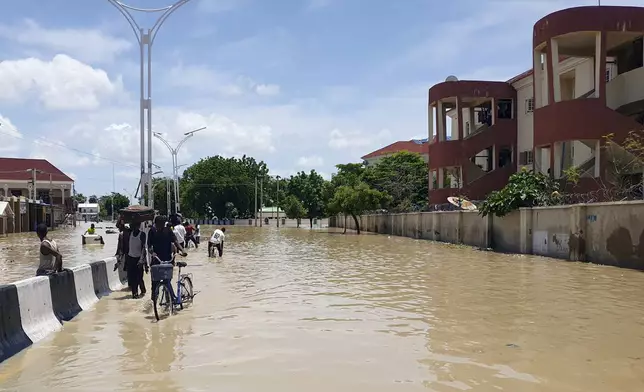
{"x": 175, "y": 168}
{"x": 278, "y": 200}
{"x": 145, "y": 38}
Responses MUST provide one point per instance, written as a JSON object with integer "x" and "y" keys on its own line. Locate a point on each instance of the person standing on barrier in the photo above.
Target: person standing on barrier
{"x": 51, "y": 261}
{"x": 135, "y": 260}
{"x": 161, "y": 240}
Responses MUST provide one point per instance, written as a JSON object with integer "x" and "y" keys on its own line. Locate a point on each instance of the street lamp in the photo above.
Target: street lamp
{"x": 145, "y": 39}
{"x": 175, "y": 168}
{"x": 278, "y": 200}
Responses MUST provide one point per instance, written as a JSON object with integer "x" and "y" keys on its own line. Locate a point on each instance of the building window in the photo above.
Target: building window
{"x": 504, "y": 109}
{"x": 526, "y": 157}
{"x": 529, "y": 105}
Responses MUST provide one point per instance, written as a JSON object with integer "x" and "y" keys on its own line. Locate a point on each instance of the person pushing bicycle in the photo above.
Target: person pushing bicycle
{"x": 160, "y": 242}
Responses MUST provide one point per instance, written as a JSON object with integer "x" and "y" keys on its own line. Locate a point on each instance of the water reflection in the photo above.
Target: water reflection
{"x": 297, "y": 310}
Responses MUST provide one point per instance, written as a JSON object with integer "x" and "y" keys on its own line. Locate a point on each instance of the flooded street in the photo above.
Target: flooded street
{"x": 301, "y": 310}
{"x": 19, "y": 252}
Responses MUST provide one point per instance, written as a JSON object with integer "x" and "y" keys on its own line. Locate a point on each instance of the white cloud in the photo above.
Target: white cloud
{"x": 89, "y": 45}
{"x": 10, "y": 136}
{"x": 310, "y": 162}
{"x": 340, "y": 140}
{"x": 60, "y": 155}
{"x": 204, "y": 79}
{"x": 267, "y": 89}
{"x": 60, "y": 84}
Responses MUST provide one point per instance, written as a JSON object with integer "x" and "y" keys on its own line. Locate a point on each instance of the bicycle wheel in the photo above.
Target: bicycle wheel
{"x": 186, "y": 289}
{"x": 163, "y": 303}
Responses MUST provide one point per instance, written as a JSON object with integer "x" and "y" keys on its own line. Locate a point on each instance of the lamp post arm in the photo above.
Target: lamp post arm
{"x": 168, "y": 11}
{"x": 164, "y": 142}
{"x": 122, "y": 8}
{"x": 183, "y": 141}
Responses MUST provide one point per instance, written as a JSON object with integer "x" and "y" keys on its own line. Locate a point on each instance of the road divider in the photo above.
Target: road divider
{"x": 33, "y": 308}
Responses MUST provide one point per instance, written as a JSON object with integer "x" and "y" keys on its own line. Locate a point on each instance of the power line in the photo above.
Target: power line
{"x": 60, "y": 144}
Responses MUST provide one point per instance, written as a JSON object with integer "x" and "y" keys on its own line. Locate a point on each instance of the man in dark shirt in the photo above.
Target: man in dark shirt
{"x": 161, "y": 238}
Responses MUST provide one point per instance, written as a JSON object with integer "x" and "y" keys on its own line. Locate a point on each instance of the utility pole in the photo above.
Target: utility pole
{"x": 255, "y": 214}
{"x": 278, "y": 201}
{"x": 51, "y": 204}
{"x": 113, "y": 191}
{"x": 167, "y": 195}
{"x": 261, "y": 202}
{"x": 145, "y": 38}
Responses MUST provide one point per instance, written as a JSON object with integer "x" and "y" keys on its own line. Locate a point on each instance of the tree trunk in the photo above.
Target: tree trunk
{"x": 345, "y": 224}
{"x": 355, "y": 219}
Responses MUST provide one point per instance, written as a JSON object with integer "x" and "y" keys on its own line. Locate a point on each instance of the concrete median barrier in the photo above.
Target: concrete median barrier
{"x": 84, "y": 285}
{"x": 63, "y": 295}
{"x": 113, "y": 277}
{"x": 36, "y": 308}
{"x": 12, "y": 337}
{"x": 100, "y": 279}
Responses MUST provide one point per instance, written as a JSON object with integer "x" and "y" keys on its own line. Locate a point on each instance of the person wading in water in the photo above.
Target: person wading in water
{"x": 133, "y": 249}
{"x": 51, "y": 261}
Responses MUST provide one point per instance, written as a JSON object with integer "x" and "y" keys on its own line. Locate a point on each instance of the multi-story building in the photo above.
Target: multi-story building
{"x": 415, "y": 145}
{"x": 587, "y": 82}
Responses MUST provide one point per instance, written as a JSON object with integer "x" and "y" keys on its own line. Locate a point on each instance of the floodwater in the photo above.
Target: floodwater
{"x": 302, "y": 310}
{"x": 19, "y": 252}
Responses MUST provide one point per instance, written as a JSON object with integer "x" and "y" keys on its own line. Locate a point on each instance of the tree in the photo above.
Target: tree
{"x": 79, "y": 198}
{"x": 309, "y": 189}
{"x": 355, "y": 200}
{"x": 105, "y": 203}
{"x": 293, "y": 208}
{"x": 212, "y": 182}
{"x": 93, "y": 199}
{"x": 231, "y": 211}
{"x": 404, "y": 176}
{"x": 524, "y": 189}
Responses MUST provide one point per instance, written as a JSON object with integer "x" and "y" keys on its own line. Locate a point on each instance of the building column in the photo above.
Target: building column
{"x": 547, "y": 71}
{"x": 598, "y": 150}
{"x": 552, "y": 160}
{"x": 494, "y": 159}
{"x": 494, "y": 110}
{"x": 556, "y": 79}
{"x": 441, "y": 130}
{"x": 536, "y": 79}
{"x": 472, "y": 122}
{"x": 600, "y": 66}
{"x": 440, "y": 177}
{"x": 430, "y": 122}
{"x": 459, "y": 117}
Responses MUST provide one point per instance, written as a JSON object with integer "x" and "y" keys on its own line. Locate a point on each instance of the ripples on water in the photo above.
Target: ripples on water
{"x": 19, "y": 253}
{"x": 296, "y": 310}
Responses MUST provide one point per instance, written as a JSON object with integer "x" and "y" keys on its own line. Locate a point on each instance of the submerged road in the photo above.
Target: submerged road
{"x": 300, "y": 310}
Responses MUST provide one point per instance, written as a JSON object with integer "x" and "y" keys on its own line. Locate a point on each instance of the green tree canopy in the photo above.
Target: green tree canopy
{"x": 310, "y": 190}
{"x": 293, "y": 208}
{"x": 79, "y": 198}
{"x": 355, "y": 200}
{"x": 524, "y": 189}
{"x": 105, "y": 203}
{"x": 404, "y": 176}
{"x": 212, "y": 182}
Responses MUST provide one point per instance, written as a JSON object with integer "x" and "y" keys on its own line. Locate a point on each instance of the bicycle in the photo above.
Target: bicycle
{"x": 164, "y": 297}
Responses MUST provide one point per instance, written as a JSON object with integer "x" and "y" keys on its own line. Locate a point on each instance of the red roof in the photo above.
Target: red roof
{"x": 410, "y": 145}
{"x": 17, "y": 169}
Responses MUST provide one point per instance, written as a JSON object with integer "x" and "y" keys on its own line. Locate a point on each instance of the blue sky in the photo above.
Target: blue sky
{"x": 300, "y": 84}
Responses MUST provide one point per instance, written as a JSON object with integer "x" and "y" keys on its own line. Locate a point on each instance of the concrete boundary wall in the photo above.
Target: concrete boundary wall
{"x": 33, "y": 308}
{"x": 602, "y": 233}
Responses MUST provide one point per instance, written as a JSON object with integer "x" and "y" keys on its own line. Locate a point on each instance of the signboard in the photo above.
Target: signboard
{"x": 23, "y": 207}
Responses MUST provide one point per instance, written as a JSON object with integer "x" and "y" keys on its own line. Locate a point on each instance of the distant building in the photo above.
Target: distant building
{"x": 420, "y": 146}
{"x": 271, "y": 212}
{"x": 17, "y": 179}
{"x": 88, "y": 211}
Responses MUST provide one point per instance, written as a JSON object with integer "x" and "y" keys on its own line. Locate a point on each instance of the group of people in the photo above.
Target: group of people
{"x": 163, "y": 242}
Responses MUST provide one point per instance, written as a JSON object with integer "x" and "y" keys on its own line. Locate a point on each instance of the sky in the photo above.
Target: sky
{"x": 299, "y": 84}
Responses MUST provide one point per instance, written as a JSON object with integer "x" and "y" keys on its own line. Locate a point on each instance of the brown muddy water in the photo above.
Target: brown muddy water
{"x": 301, "y": 310}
